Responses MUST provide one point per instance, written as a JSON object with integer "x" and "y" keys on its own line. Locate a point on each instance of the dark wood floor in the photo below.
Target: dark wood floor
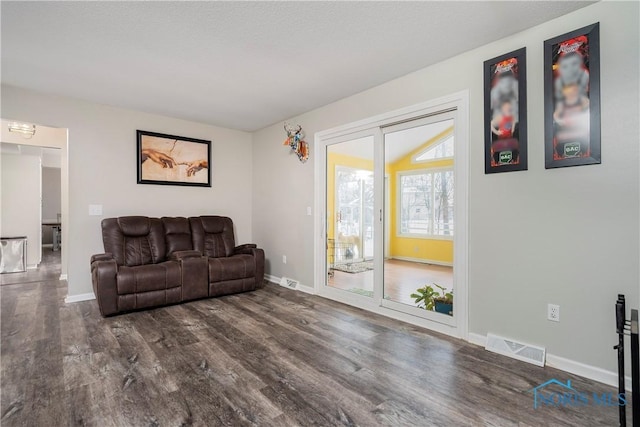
{"x": 274, "y": 357}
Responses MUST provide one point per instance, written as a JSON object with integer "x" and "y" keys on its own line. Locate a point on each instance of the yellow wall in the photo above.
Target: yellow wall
{"x": 440, "y": 250}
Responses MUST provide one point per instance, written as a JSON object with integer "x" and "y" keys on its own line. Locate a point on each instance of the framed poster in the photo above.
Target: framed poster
{"x": 173, "y": 160}
{"x": 505, "y": 112}
{"x": 572, "y": 98}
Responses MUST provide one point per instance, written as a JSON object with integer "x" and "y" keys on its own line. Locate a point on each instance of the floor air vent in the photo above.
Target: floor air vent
{"x": 289, "y": 283}
{"x": 525, "y": 352}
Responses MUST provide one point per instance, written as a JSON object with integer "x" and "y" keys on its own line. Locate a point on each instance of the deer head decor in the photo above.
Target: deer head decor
{"x": 295, "y": 140}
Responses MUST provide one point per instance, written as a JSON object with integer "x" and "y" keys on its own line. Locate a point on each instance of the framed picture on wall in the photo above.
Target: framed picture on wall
{"x": 572, "y": 98}
{"x": 173, "y": 160}
{"x": 505, "y": 112}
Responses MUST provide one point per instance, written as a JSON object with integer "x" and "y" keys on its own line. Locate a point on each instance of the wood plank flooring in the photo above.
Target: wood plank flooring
{"x": 401, "y": 279}
{"x": 274, "y": 357}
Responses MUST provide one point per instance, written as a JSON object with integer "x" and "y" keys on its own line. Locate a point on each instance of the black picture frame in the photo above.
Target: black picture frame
{"x": 174, "y": 160}
{"x": 505, "y": 113}
{"x": 572, "y": 103}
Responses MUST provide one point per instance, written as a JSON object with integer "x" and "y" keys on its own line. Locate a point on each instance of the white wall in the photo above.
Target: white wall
{"x": 102, "y": 170}
{"x": 566, "y": 236}
{"x": 51, "y": 194}
{"x": 21, "y": 190}
{"x": 51, "y": 199}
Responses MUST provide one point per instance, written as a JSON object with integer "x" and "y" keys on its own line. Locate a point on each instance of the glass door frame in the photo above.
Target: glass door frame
{"x": 430, "y": 119}
{"x": 321, "y": 266}
{"x": 456, "y": 326}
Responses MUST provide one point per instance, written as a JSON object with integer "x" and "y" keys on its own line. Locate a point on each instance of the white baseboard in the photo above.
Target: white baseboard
{"x": 79, "y": 297}
{"x": 63, "y": 277}
{"x": 302, "y": 288}
{"x": 477, "y": 339}
{"x": 422, "y": 261}
{"x": 568, "y": 365}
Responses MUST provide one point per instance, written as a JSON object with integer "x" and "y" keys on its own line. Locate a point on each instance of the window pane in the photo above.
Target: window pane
{"x": 416, "y": 203}
{"x": 441, "y": 150}
{"x": 443, "y": 203}
{"x": 427, "y": 203}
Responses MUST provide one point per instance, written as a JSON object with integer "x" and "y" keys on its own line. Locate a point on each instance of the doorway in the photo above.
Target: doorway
{"x": 393, "y": 192}
{"x": 34, "y": 201}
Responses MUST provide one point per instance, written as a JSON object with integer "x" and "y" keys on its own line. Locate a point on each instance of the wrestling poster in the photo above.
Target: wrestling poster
{"x": 505, "y": 112}
{"x": 572, "y": 98}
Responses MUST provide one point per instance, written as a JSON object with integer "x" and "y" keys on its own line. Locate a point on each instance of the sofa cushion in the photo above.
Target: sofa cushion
{"x": 177, "y": 233}
{"x": 134, "y": 240}
{"x": 145, "y": 278}
{"x": 231, "y": 268}
{"x": 213, "y": 235}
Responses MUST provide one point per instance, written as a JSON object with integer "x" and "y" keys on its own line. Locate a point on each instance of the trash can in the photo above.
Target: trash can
{"x": 13, "y": 254}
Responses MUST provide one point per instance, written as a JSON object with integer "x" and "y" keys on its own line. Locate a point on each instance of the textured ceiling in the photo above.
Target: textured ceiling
{"x": 243, "y": 65}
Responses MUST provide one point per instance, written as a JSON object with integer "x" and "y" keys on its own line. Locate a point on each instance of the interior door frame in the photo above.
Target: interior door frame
{"x": 458, "y": 102}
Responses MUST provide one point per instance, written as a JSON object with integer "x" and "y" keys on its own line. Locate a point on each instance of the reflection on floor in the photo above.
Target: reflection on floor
{"x": 48, "y": 270}
{"x": 401, "y": 278}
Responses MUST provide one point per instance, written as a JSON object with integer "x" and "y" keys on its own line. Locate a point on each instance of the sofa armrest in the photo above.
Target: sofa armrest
{"x": 104, "y": 271}
{"x": 258, "y": 256}
{"x": 180, "y": 255}
{"x": 247, "y": 249}
{"x": 101, "y": 257}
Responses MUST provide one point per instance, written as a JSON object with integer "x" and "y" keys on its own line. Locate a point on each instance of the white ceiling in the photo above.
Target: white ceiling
{"x": 243, "y": 65}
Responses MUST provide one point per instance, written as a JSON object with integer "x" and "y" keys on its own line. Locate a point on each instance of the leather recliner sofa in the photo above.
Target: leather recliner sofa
{"x": 150, "y": 262}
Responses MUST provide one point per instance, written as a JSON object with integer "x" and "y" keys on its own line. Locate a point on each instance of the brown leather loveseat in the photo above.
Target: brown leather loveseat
{"x": 150, "y": 262}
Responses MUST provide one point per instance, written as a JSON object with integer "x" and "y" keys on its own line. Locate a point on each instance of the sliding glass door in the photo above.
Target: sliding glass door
{"x": 391, "y": 198}
{"x": 350, "y": 226}
{"x": 418, "y": 271}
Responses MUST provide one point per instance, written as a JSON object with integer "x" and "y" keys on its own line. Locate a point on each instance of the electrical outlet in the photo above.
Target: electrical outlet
{"x": 553, "y": 312}
{"x": 284, "y": 259}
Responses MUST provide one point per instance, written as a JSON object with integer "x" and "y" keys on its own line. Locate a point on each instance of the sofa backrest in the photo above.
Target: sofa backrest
{"x": 177, "y": 234}
{"x": 213, "y": 235}
{"x": 134, "y": 240}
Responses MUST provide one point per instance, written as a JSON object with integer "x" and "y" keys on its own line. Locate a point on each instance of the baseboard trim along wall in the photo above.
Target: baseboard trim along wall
{"x": 422, "y": 261}
{"x": 63, "y": 277}
{"x": 568, "y": 365}
{"x": 303, "y": 288}
{"x": 80, "y": 297}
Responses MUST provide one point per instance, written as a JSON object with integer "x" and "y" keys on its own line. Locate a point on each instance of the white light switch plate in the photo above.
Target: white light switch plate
{"x": 95, "y": 210}
{"x": 309, "y": 210}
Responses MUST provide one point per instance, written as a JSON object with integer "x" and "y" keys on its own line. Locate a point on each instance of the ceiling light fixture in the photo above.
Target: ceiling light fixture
{"x": 25, "y": 129}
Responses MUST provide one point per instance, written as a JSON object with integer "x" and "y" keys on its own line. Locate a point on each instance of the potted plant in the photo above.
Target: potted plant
{"x": 429, "y": 298}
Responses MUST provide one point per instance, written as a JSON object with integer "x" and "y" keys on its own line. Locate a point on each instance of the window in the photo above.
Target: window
{"x": 440, "y": 150}
{"x": 426, "y": 203}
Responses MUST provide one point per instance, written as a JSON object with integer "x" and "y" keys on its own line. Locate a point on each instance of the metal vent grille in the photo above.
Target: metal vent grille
{"x": 289, "y": 283}
{"x": 516, "y": 350}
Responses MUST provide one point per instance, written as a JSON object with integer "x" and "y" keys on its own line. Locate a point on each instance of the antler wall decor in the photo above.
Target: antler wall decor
{"x": 295, "y": 140}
